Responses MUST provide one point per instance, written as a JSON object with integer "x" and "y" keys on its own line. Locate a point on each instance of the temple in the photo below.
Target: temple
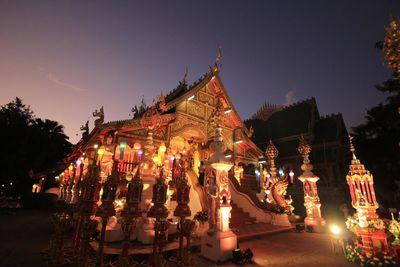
{"x": 191, "y": 154}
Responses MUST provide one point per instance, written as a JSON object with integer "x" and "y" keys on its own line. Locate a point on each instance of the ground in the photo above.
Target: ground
{"x": 26, "y": 233}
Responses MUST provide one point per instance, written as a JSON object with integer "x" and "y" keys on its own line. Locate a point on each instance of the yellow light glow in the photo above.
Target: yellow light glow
{"x": 70, "y": 167}
{"x": 336, "y": 230}
{"x": 190, "y": 97}
{"x": 162, "y": 148}
{"x": 137, "y": 146}
{"x": 101, "y": 151}
{"x": 238, "y": 142}
{"x": 95, "y": 146}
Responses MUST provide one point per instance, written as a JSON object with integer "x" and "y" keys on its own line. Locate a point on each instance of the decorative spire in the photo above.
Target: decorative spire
{"x": 217, "y": 116}
{"x": 352, "y": 149}
{"x": 304, "y": 149}
{"x": 218, "y": 58}
{"x": 272, "y": 153}
{"x": 184, "y": 80}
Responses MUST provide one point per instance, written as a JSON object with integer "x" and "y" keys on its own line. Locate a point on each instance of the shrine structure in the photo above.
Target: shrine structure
{"x": 168, "y": 147}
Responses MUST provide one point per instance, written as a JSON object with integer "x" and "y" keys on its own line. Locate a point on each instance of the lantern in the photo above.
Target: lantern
{"x": 122, "y": 147}
{"x": 137, "y": 146}
{"x": 291, "y": 174}
{"x": 162, "y": 148}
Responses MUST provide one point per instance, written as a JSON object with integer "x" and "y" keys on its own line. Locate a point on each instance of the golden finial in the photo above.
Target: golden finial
{"x": 218, "y": 58}
{"x": 271, "y": 152}
{"x": 304, "y": 148}
{"x": 352, "y": 149}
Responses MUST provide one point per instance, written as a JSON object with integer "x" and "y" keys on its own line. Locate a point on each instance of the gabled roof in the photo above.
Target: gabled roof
{"x": 292, "y": 120}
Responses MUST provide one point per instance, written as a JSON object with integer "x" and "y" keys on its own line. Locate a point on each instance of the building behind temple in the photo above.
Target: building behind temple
{"x": 284, "y": 125}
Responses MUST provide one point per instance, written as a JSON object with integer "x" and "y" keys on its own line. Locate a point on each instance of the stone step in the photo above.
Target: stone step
{"x": 240, "y": 217}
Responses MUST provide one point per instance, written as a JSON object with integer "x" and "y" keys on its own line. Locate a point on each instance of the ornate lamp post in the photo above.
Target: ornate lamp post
{"x": 219, "y": 243}
{"x": 363, "y": 199}
{"x": 130, "y": 213}
{"x": 160, "y": 212}
{"x": 311, "y": 198}
{"x": 106, "y": 209}
{"x": 182, "y": 210}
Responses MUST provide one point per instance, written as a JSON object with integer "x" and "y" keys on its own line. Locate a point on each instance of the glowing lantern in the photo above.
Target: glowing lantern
{"x": 137, "y": 146}
{"x": 70, "y": 167}
{"x": 101, "y": 151}
{"x": 156, "y": 159}
{"x": 122, "y": 147}
{"x": 291, "y": 174}
{"x": 162, "y": 148}
{"x": 78, "y": 162}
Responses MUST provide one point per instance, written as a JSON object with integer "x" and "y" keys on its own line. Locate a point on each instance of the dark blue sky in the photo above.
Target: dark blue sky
{"x": 67, "y": 58}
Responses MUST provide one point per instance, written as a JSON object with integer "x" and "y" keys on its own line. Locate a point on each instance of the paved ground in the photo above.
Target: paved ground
{"x": 26, "y": 233}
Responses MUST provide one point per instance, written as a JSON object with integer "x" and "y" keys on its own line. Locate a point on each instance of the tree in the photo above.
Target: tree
{"x": 377, "y": 139}
{"x": 28, "y": 143}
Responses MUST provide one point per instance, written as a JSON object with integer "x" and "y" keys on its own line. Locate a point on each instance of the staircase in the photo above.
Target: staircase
{"x": 239, "y": 217}
{"x": 249, "y": 182}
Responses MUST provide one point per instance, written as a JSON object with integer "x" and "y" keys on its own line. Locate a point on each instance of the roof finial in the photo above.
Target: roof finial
{"x": 352, "y": 149}
{"x": 218, "y": 58}
{"x": 184, "y": 81}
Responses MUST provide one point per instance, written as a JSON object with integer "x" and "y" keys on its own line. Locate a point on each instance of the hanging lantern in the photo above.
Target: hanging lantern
{"x": 137, "y": 146}
{"x": 162, "y": 148}
{"x": 291, "y": 174}
{"x": 122, "y": 147}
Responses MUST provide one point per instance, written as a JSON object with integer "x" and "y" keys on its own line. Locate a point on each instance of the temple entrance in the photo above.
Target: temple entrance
{"x": 188, "y": 141}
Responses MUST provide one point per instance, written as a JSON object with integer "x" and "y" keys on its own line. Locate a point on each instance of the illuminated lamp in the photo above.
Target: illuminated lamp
{"x": 280, "y": 172}
{"x": 229, "y": 110}
{"x": 239, "y": 142}
{"x": 78, "y": 162}
{"x": 122, "y": 147}
{"x": 137, "y": 146}
{"x": 11, "y": 183}
{"x": 156, "y": 159}
{"x": 140, "y": 152}
{"x": 101, "y": 151}
{"x": 228, "y": 156}
{"x": 335, "y": 229}
{"x": 291, "y": 174}
{"x": 190, "y": 97}
{"x": 95, "y": 146}
{"x": 70, "y": 167}
{"x": 162, "y": 148}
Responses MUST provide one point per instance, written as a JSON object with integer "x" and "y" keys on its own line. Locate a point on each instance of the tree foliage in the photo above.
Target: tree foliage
{"x": 28, "y": 143}
{"x": 378, "y": 138}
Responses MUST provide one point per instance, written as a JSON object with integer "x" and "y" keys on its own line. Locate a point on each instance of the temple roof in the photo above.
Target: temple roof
{"x": 292, "y": 120}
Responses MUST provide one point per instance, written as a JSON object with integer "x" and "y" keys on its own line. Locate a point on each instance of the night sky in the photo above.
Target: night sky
{"x": 67, "y": 58}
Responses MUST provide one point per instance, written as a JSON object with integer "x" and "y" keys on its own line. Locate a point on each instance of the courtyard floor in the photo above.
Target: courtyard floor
{"x": 25, "y": 233}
